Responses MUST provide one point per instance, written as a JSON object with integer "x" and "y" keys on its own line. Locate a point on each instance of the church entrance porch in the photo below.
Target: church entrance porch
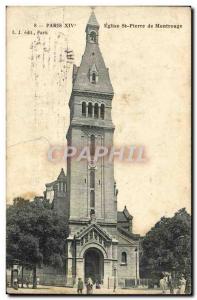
{"x": 91, "y": 253}
{"x": 93, "y": 265}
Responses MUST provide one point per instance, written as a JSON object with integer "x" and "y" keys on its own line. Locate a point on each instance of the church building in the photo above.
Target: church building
{"x": 101, "y": 244}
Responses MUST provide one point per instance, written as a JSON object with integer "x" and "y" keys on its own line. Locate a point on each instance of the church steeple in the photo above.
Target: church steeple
{"x": 92, "y": 75}
{"x": 91, "y": 125}
{"x": 92, "y": 29}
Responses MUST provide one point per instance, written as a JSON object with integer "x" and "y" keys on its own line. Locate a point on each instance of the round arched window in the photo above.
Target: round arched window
{"x": 83, "y": 109}
{"x": 96, "y": 110}
{"x": 93, "y": 36}
{"x": 102, "y": 114}
{"x": 124, "y": 258}
{"x": 93, "y": 78}
{"x": 89, "y": 109}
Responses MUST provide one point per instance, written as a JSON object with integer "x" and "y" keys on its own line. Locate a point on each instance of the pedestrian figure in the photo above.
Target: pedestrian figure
{"x": 19, "y": 283}
{"x": 188, "y": 286}
{"x": 171, "y": 285}
{"x": 182, "y": 285}
{"x": 163, "y": 284}
{"x": 15, "y": 284}
{"x": 80, "y": 286}
{"x": 27, "y": 282}
{"x": 97, "y": 284}
{"x": 37, "y": 281}
{"x": 89, "y": 286}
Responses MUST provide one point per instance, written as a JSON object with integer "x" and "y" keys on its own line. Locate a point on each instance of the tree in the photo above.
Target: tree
{"x": 35, "y": 234}
{"x": 167, "y": 247}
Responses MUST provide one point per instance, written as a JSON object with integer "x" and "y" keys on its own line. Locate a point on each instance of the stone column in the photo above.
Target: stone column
{"x": 115, "y": 263}
{"x": 80, "y": 268}
{"x": 69, "y": 275}
{"x": 107, "y": 273}
{"x": 137, "y": 263}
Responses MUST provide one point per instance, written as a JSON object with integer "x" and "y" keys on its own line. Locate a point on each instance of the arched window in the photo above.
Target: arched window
{"x": 102, "y": 111}
{"x": 83, "y": 109}
{"x": 92, "y": 199}
{"x": 124, "y": 258}
{"x": 93, "y": 36}
{"x": 92, "y": 146}
{"x": 93, "y": 72}
{"x": 89, "y": 109}
{"x": 96, "y": 110}
{"x": 92, "y": 179}
{"x": 93, "y": 77}
{"x": 92, "y": 213}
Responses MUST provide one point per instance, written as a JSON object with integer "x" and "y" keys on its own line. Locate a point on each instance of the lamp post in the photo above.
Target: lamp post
{"x": 114, "y": 279}
{"x": 14, "y": 273}
{"x": 136, "y": 270}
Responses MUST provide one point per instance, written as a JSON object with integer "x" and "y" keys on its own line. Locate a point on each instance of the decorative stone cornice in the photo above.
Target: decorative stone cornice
{"x": 83, "y": 122}
{"x": 87, "y": 93}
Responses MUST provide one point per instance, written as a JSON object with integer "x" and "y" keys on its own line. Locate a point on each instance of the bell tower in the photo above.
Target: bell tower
{"x": 92, "y": 30}
{"x": 90, "y": 185}
{"x": 98, "y": 246}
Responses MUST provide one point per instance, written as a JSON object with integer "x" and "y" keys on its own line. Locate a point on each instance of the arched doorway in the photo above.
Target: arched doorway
{"x": 94, "y": 264}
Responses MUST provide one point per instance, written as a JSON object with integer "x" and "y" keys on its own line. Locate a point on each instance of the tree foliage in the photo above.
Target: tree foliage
{"x": 35, "y": 233}
{"x": 167, "y": 247}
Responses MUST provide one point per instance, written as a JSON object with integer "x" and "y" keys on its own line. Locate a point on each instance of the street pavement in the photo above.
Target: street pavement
{"x": 73, "y": 291}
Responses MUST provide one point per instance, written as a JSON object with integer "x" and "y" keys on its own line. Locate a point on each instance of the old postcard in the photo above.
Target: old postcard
{"x": 98, "y": 150}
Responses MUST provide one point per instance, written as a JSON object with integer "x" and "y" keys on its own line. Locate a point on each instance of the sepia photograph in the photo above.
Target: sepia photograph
{"x": 98, "y": 149}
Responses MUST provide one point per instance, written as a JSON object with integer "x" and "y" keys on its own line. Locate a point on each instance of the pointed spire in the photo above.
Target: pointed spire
{"x": 62, "y": 175}
{"x": 92, "y": 20}
{"x": 92, "y": 62}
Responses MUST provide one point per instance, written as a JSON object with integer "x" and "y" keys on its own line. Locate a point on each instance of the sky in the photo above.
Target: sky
{"x": 150, "y": 73}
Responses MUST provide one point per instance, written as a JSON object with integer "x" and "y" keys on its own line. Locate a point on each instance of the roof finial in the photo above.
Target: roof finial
{"x": 92, "y": 19}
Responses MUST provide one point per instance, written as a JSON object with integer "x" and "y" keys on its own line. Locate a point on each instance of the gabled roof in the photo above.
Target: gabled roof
{"x": 93, "y": 69}
{"x": 124, "y": 216}
{"x": 128, "y": 233}
{"x": 95, "y": 227}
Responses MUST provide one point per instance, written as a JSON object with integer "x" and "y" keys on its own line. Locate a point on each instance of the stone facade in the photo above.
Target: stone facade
{"x": 101, "y": 244}
{"x": 92, "y": 194}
